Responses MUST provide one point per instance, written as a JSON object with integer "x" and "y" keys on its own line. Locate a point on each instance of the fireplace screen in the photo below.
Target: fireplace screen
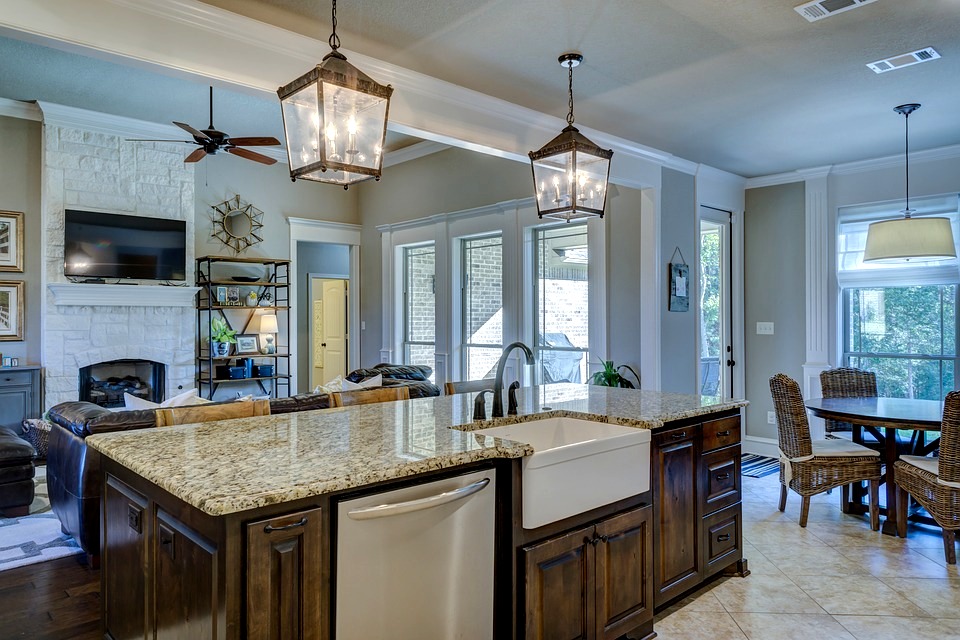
{"x": 106, "y": 382}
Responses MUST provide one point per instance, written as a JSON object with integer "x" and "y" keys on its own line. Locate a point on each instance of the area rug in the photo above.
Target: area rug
{"x": 36, "y": 537}
{"x": 754, "y": 466}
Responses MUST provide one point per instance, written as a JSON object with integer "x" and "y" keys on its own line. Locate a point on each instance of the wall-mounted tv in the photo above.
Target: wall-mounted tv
{"x": 108, "y": 245}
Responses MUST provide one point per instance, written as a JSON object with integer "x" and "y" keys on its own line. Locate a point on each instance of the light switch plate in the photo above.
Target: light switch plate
{"x": 771, "y": 417}
{"x": 764, "y": 328}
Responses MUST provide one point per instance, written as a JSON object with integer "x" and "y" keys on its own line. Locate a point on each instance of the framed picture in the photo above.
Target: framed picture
{"x": 221, "y": 295}
{"x": 14, "y": 362}
{"x": 233, "y": 295}
{"x": 248, "y": 344}
{"x": 11, "y": 241}
{"x": 679, "y": 287}
{"x": 7, "y": 362}
{"x": 11, "y": 310}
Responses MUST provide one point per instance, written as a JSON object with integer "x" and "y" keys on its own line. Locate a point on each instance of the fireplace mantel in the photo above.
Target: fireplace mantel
{"x": 122, "y": 295}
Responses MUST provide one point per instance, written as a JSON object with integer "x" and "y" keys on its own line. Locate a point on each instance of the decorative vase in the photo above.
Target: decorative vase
{"x": 252, "y": 299}
{"x": 220, "y": 349}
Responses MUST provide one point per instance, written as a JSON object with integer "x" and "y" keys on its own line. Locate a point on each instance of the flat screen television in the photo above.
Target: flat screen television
{"x": 108, "y": 245}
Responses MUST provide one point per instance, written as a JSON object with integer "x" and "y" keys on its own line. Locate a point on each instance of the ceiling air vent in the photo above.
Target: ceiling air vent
{"x": 904, "y": 60}
{"x": 820, "y": 9}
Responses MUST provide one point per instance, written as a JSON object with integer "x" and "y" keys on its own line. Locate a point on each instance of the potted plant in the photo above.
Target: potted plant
{"x": 610, "y": 376}
{"x": 221, "y": 337}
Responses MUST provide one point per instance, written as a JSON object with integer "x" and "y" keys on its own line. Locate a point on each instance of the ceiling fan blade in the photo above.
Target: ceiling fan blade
{"x": 150, "y": 140}
{"x": 251, "y": 155}
{"x": 196, "y": 156}
{"x": 196, "y": 133}
{"x": 255, "y": 142}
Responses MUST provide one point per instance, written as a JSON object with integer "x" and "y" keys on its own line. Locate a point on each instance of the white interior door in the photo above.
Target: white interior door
{"x": 328, "y": 329}
{"x": 714, "y": 305}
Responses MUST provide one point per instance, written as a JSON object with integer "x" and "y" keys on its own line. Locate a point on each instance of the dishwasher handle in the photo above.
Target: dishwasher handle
{"x": 398, "y": 508}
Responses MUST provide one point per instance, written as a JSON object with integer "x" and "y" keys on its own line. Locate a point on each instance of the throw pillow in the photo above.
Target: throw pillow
{"x": 185, "y": 399}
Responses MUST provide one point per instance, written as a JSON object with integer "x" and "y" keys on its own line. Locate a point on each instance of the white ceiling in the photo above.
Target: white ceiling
{"x": 747, "y": 86}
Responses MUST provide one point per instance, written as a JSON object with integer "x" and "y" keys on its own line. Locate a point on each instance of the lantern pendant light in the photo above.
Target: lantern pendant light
{"x": 570, "y": 172}
{"x": 909, "y": 239}
{"x": 335, "y": 120}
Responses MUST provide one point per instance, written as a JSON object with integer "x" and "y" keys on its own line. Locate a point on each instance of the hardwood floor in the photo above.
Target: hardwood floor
{"x": 55, "y": 600}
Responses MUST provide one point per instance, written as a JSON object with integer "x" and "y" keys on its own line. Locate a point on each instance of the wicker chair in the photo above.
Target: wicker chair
{"x": 935, "y": 482}
{"x": 845, "y": 382}
{"x": 467, "y": 386}
{"x": 810, "y": 467}
{"x": 369, "y": 396}
{"x": 209, "y": 412}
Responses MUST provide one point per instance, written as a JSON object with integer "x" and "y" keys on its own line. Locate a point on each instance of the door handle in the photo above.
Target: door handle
{"x": 723, "y": 537}
{"x": 301, "y": 523}
{"x": 679, "y": 436}
{"x": 730, "y": 363}
{"x": 723, "y": 476}
{"x": 323, "y": 344}
{"x": 398, "y": 508}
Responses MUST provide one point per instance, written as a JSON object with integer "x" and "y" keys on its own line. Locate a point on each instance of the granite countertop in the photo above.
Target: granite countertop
{"x": 230, "y": 466}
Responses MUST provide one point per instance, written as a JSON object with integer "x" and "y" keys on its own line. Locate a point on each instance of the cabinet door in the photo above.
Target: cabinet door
{"x": 677, "y": 536}
{"x": 624, "y": 573}
{"x": 16, "y": 403}
{"x": 559, "y": 587}
{"x": 124, "y": 562}
{"x": 284, "y": 577}
{"x": 185, "y": 582}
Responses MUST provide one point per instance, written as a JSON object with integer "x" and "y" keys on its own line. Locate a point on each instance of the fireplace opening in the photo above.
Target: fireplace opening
{"x": 105, "y": 383}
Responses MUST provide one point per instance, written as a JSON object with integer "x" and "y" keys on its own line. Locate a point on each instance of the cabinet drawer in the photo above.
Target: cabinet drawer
{"x": 15, "y": 378}
{"x": 721, "y": 433}
{"x": 723, "y": 539}
{"x": 674, "y": 436}
{"x": 719, "y": 479}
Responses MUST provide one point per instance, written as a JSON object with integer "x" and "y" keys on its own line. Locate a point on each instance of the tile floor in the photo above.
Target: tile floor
{"x": 836, "y": 579}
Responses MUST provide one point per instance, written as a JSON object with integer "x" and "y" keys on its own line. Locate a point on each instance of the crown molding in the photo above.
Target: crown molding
{"x": 712, "y": 173}
{"x": 499, "y": 208}
{"x": 412, "y": 152}
{"x": 774, "y": 179}
{"x": 20, "y": 109}
{"x": 236, "y": 50}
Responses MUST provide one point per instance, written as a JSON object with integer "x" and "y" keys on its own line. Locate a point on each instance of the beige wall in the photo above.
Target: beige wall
{"x": 774, "y": 291}
{"x": 20, "y": 191}
{"x": 269, "y": 189}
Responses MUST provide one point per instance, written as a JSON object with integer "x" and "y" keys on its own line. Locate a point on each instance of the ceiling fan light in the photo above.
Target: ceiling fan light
{"x": 910, "y": 239}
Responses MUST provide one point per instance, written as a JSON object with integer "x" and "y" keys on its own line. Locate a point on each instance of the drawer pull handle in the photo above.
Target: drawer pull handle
{"x": 723, "y": 476}
{"x": 723, "y": 434}
{"x": 269, "y": 528}
{"x": 679, "y": 436}
{"x": 723, "y": 537}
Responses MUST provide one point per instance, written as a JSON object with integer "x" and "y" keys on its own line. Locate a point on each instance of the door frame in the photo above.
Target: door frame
{"x": 306, "y": 230}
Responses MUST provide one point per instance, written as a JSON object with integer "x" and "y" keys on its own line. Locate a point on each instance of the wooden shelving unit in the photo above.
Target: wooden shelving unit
{"x": 273, "y": 294}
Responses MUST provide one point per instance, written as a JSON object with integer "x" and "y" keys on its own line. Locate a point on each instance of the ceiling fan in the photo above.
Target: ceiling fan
{"x": 211, "y": 141}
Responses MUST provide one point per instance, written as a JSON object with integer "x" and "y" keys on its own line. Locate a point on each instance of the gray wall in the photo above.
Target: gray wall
{"x": 331, "y": 260}
{"x": 774, "y": 291}
{"x": 20, "y": 191}
{"x": 452, "y": 180}
{"x": 269, "y": 189}
{"x": 622, "y": 224}
{"x": 678, "y": 343}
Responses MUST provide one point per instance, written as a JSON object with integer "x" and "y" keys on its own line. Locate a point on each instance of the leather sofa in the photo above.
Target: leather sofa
{"x": 16, "y": 474}
{"x": 73, "y": 470}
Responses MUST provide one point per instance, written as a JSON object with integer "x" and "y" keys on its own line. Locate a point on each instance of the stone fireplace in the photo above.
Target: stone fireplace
{"x": 105, "y": 383}
{"x": 87, "y": 324}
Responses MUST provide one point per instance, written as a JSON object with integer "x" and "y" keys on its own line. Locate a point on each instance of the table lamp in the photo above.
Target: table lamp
{"x": 269, "y": 330}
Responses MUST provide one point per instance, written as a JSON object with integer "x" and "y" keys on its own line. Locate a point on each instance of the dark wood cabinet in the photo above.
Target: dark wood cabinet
{"x": 593, "y": 583}
{"x": 123, "y": 593}
{"x": 696, "y": 504}
{"x": 284, "y": 577}
{"x": 20, "y": 396}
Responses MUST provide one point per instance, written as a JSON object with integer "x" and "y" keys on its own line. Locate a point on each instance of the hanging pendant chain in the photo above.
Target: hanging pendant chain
{"x": 334, "y": 39}
{"x": 570, "y": 90}
{"x": 906, "y": 153}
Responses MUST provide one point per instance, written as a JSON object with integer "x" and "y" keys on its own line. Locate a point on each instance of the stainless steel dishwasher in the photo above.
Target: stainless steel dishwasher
{"x": 417, "y": 563}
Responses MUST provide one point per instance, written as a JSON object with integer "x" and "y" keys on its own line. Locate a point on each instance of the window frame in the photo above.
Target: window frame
{"x": 464, "y": 300}
{"x": 405, "y": 340}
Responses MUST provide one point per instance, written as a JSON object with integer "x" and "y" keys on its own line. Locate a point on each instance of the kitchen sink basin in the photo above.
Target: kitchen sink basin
{"x": 577, "y": 465}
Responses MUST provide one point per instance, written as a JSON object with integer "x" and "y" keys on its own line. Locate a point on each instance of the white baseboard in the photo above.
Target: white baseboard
{"x": 760, "y": 446}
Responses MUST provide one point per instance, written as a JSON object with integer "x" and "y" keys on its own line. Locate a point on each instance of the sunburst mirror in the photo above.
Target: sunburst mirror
{"x": 237, "y": 224}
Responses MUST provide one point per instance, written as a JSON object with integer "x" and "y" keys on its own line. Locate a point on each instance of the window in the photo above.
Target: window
{"x": 419, "y": 308}
{"x": 481, "y": 314}
{"x": 561, "y": 330}
{"x": 899, "y": 320}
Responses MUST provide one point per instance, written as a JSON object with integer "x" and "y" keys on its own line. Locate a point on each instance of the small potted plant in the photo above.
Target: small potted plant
{"x": 610, "y": 376}
{"x": 221, "y": 337}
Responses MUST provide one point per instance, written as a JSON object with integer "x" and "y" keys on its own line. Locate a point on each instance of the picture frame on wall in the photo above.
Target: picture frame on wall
{"x": 11, "y": 311}
{"x": 11, "y": 241}
{"x": 679, "y": 287}
{"x": 248, "y": 344}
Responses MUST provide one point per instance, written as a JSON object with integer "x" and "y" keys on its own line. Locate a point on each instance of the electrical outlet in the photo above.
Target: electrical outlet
{"x": 764, "y": 328}
{"x": 771, "y": 417}
{"x": 363, "y": 325}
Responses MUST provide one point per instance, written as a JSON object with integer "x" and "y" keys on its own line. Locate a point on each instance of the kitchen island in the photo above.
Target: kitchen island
{"x": 229, "y": 529}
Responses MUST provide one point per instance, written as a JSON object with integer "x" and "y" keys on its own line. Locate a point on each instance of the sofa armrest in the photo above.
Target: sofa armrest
{"x": 85, "y": 418}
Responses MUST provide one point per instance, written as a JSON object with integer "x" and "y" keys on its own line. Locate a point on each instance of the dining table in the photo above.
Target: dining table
{"x": 881, "y": 418}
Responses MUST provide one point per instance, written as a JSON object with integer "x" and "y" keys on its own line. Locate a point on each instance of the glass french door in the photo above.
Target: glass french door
{"x": 716, "y": 344}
